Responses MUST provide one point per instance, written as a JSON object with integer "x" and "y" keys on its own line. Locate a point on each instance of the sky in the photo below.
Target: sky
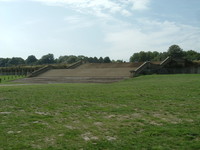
{"x": 114, "y": 28}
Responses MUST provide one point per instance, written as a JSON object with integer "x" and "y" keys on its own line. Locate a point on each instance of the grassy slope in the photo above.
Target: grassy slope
{"x": 6, "y": 79}
{"x": 148, "y": 112}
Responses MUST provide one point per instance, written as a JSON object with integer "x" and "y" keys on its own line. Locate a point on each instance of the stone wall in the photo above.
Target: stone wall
{"x": 186, "y": 70}
{"x": 168, "y": 66}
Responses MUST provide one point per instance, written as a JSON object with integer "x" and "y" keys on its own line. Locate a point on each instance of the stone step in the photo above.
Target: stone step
{"x": 102, "y": 72}
{"x": 71, "y": 80}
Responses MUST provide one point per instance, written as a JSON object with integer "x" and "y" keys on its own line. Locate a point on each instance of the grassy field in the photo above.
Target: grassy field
{"x": 147, "y": 112}
{"x": 7, "y": 78}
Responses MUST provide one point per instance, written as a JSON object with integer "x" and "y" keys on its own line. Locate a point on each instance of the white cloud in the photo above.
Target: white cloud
{"x": 98, "y": 22}
{"x": 150, "y": 36}
{"x": 97, "y": 7}
{"x": 75, "y": 22}
{"x": 140, "y": 4}
{"x": 9, "y": 0}
{"x": 73, "y": 19}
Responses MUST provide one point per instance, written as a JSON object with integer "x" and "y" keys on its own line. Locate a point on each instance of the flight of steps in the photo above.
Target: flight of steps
{"x": 86, "y": 73}
{"x": 50, "y": 80}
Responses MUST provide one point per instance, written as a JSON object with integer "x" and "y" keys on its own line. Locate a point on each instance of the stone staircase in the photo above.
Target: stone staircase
{"x": 50, "y": 80}
{"x": 85, "y": 73}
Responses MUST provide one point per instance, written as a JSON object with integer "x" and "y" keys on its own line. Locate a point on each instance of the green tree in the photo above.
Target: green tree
{"x": 161, "y": 56}
{"x": 80, "y": 57}
{"x": 90, "y": 59}
{"x": 4, "y": 62}
{"x": 192, "y": 55}
{"x": 47, "y": 59}
{"x": 175, "y": 51}
{"x": 148, "y": 56}
{"x": 134, "y": 57}
{"x": 119, "y": 61}
{"x": 31, "y": 60}
{"x": 101, "y": 60}
{"x": 95, "y": 60}
{"x": 106, "y": 60}
{"x": 62, "y": 59}
{"x": 71, "y": 59}
{"x": 155, "y": 54}
{"x": 15, "y": 61}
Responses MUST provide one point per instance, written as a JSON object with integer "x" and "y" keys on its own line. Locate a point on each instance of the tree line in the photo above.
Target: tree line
{"x": 173, "y": 51}
{"x": 49, "y": 59}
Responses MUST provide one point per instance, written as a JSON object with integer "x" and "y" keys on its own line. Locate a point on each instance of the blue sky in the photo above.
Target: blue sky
{"x": 114, "y": 28}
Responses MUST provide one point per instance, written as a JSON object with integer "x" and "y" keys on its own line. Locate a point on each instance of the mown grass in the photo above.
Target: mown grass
{"x": 6, "y": 79}
{"x": 147, "y": 112}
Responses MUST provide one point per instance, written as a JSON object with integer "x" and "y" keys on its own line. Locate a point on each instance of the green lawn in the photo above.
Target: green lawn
{"x": 5, "y": 79}
{"x": 147, "y": 112}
